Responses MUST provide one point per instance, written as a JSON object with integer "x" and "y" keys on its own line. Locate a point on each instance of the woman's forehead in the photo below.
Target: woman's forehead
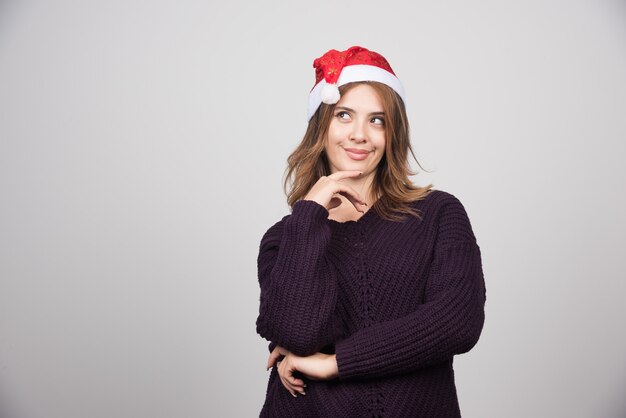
{"x": 361, "y": 98}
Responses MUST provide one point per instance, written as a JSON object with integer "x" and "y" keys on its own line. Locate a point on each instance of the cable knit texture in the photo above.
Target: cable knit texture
{"x": 395, "y": 301}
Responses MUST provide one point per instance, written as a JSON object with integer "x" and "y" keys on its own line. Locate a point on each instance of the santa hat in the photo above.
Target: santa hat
{"x": 336, "y": 68}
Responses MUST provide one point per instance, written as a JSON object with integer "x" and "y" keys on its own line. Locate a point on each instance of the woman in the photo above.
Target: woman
{"x": 371, "y": 285}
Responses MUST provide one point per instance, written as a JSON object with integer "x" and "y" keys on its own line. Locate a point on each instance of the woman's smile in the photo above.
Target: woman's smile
{"x": 356, "y": 154}
{"x": 356, "y": 134}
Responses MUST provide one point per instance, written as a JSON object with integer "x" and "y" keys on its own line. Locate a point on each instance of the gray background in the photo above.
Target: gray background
{"x": 142, "y": 147}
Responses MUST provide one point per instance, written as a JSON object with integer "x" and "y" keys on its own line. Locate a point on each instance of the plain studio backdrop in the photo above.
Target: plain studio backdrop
{"x": 142, "y": 149}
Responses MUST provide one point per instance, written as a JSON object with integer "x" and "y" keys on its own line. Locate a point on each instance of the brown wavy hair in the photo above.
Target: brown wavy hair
{"x": 308, "y": 162}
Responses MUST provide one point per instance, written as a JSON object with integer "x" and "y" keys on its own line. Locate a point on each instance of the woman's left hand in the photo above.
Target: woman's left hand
{"x": 318, "y": 366}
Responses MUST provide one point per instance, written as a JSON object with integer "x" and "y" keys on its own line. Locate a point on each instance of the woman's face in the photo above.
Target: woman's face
{"x": 356, "y": 135}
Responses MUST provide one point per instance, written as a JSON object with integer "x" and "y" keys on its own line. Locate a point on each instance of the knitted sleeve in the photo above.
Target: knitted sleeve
{"x": 449, "y": 321}
{"x": 298, "y": 285}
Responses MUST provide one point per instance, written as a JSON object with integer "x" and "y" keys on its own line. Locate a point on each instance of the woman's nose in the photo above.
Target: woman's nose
{"x": 358, "y": 133}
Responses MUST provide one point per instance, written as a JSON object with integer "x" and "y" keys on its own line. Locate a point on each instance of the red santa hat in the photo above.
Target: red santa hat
{"x": 336, "y": 68}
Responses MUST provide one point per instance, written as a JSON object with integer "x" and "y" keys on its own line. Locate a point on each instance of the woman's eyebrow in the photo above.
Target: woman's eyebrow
{"x": 353, "y": 111}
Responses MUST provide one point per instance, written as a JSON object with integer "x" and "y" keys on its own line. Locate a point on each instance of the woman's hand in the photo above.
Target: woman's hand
{"x": 326, "y": 187}
{"x": 318, "y": 366}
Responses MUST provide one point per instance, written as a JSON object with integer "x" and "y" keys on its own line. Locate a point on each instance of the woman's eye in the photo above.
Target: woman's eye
{"x": 378, "y": 121}
{"x": 343, "y": 115}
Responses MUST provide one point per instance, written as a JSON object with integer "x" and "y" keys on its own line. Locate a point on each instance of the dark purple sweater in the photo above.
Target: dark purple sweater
{"x": 394, "y": 300}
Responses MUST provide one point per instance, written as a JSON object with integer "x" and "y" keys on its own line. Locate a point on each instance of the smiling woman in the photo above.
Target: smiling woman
{"x": 371, "y": 285}
{"x": 378, "y": 111}
{"x": 356, "y": 132}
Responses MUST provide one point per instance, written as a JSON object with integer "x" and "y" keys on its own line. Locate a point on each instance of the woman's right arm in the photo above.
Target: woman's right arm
{"x": 298, "y": 286}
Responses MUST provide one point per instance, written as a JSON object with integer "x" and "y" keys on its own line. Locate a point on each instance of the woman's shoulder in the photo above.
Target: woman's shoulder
{"x": 446, "y": 211}
{"x": 279, "y": 224}
{"x": 274, "y": 233}
{"x": 435, "y": 200}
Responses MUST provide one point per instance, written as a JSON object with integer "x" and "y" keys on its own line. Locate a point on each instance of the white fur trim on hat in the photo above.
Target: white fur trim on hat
{"x": 350, "y": 74}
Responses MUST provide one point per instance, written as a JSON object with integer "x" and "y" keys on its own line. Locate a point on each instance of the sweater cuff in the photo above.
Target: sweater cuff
{"x": 309, "y": 209}
{"x": 346, "y": 362}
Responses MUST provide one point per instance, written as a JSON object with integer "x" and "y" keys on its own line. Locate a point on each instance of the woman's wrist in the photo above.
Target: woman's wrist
{"x": 334, "y": 369}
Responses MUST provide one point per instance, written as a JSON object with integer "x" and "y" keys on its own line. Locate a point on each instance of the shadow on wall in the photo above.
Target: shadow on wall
{"x": 617, "y": 408}
{"x": 8, "y": 9}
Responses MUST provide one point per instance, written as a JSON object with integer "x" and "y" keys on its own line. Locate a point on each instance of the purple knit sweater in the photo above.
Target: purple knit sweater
{"x": 394, "y": 300}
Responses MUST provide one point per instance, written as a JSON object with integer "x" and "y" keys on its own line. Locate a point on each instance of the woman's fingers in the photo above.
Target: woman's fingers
{"x": 326, "y": 187}
{"x": 271, "y": 360}
{"x": 287, "y": 386}
{"x": 276, "y": 353}
{"x": 297, "y": 382}
{"x": 318, "y": 366}
{"x": 352, "y": 196}
{"x": 289, "y": 381}
{"x": 294, "y": 392}
{"x": 338, "y": 175}
{"x": 347, "y": 191}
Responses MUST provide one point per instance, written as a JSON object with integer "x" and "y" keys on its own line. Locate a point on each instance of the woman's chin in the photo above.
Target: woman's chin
{"x": 354, "y": 166}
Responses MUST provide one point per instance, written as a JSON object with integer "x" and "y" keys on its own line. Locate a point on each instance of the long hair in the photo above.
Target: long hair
{"x": 308, "y": 162}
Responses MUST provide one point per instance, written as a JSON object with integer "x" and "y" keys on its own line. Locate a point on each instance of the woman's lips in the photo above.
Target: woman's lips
{"x": 356, "y": 154}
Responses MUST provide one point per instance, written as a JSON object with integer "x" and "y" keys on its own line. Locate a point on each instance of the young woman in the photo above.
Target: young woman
{"x": 372, "y": 284}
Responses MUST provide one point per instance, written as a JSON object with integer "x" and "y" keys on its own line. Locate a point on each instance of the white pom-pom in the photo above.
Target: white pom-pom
{"x": 330, "y": 94}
